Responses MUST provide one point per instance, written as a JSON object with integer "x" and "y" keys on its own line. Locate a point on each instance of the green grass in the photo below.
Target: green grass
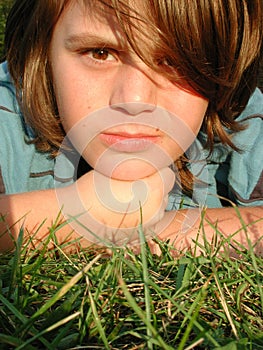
{"x": 5, "y": 6}
{"x": 90, "y": 300}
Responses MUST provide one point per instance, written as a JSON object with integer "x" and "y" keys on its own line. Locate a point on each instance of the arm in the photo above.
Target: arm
{"x": 30, "y": 211}
{"x": 15, "y": 211}
{"x": 240, "y": 223}
{"x": 103, "y": 212}
{"x": 33, "y": 209}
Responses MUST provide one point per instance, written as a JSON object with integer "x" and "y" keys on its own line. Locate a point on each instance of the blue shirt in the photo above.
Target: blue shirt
{"x": 235, "y": 175}
{"x": 22, "y": 167}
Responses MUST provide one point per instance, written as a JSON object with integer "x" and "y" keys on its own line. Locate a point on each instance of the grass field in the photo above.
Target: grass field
{"x": 89, "y": 300}
{"x": 92, "y": 300}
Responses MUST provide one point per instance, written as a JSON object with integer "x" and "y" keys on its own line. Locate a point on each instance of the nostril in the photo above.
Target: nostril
{"x": 134, "y": 108}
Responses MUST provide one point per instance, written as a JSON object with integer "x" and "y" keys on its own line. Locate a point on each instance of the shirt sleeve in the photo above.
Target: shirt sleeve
{"x": 245, "y": 178}
{"x": 246, "y": 167}
{"x": 234, "y": 176}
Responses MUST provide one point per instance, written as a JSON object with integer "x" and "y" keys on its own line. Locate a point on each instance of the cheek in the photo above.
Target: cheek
{"x": 187, "y": 110}
{"x": 70, "y": 106}
{"x": 67, "y": 89}
{"x": 61, "y": 93}
{"x": 194, "y": 115}
{"x": 186, "y": 123}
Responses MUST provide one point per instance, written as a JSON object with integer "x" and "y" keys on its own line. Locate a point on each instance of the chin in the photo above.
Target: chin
{"x": 133, "y": 170}
{"x": 115, "y": 165}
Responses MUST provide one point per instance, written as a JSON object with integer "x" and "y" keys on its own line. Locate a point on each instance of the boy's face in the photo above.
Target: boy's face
{"x": 112, "y": 104}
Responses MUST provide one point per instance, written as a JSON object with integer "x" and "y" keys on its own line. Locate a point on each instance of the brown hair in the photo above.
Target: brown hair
{"x": 215, "y": 46}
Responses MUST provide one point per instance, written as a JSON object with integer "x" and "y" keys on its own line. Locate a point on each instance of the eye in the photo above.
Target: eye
{"x": 101, "y": 54}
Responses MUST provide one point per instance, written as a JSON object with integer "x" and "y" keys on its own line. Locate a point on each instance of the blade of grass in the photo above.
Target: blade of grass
{"x": 13, "y": 309}
{"x": 97, "y": 322}
{"x": 223, "y": 301}
{"x": 147, "y": 294}
{"x": 8, "y": 340}
{"x": 157, "y": 338}
{"x": 193, "y": 317}
{"x": 47, "y": 330}
{"x": 16, "y": 262}
{"x": 180, "y": 308}
{"x": 64, "y": 290}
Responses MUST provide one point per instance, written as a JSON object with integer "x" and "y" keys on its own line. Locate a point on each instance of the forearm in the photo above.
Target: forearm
{"x": 32, "y": 210}
{"x": 102, "y": 217}
{"x": 41, "y": 209}
{"x": 238, "y": 223}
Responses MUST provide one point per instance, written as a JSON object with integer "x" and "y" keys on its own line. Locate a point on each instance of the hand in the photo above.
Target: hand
{"x": 108, "y": 211}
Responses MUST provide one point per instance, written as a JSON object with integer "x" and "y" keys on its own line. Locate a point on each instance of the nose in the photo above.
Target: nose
{"x": 134, "y": 91}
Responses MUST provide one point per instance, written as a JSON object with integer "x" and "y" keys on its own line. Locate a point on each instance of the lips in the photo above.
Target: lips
{"x": 126, "y": 142}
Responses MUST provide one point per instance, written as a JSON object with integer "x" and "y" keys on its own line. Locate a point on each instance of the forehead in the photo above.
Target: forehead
{"x": 79, "y": 13}
{"x": 106, "y": 11}
{"x": 99, "y": 19}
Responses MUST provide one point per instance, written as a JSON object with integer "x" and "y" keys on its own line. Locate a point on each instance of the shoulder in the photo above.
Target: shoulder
{"x": 254, "y": 106}
{"x": 238, "y": 176}
{"x": 246, "y": 167}
{"x": 8, "y": 99}
{"x": 252, "y": 118}
{"x": 17, "y": 156}
{"x": 10, "y": 116}
{"x": 22, "y": 167}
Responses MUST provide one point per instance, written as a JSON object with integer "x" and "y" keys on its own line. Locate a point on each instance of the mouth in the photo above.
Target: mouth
{"x": 128, "y": 142}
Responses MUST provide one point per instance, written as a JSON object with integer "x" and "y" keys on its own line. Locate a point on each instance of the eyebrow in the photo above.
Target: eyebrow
{"x": 90, "y": 40}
